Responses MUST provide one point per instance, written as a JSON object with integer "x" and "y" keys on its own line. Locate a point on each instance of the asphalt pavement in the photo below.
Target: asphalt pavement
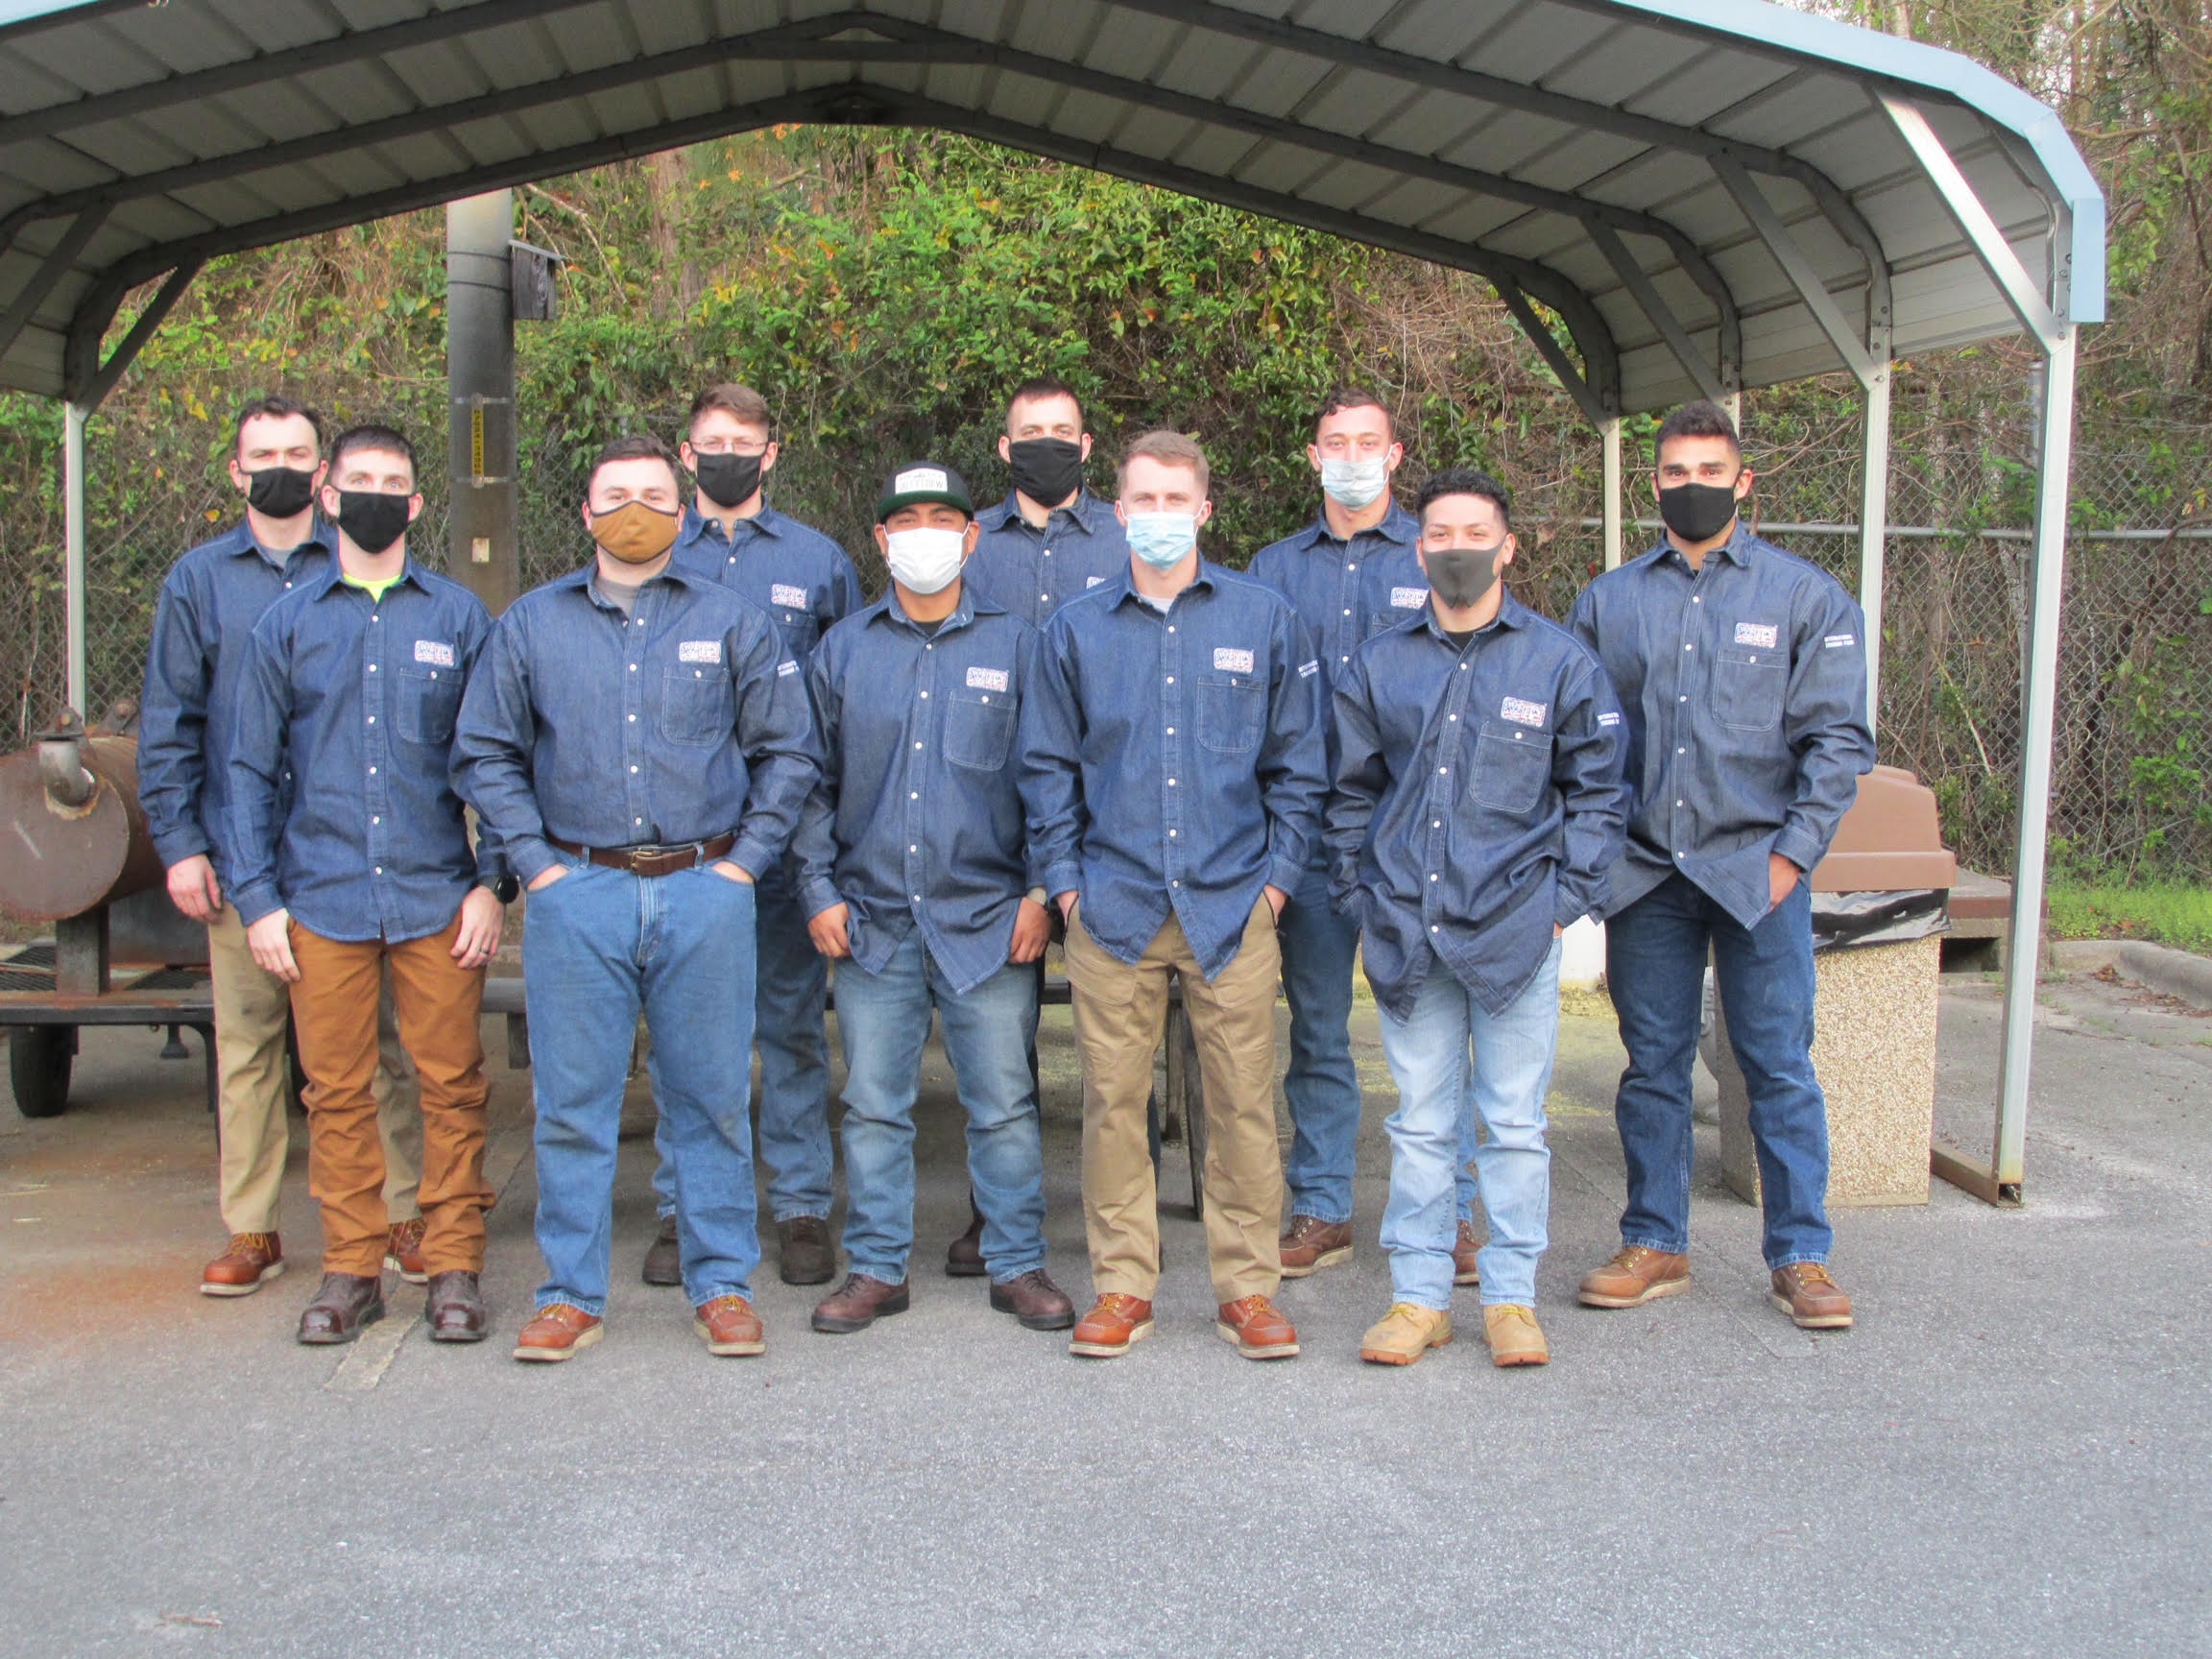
{"x": 2011, "y": 1453}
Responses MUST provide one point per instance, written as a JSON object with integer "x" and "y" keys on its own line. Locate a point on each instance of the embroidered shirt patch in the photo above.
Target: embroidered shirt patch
{"x": 1408, "y": 598}
{"x": 1608, "y": 719}
{"x": 1093, "y": 581}
{"x": 1523, "y": 712}
{"x": 435, "y": 652}
{"x": 786, "y": 666}
{"x": 783, "y": 594}
{"x": 1837, "y": 641}
{"x": 1307, "y": 670}
{"x": 699, "y": 651}
{"x": 987, "y": 679}
{"x": 1764, "y": 634}
{"x": 1230, "y": 662}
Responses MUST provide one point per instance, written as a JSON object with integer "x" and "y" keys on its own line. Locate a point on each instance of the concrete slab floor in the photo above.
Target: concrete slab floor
{"x": 2011, "y": 1454}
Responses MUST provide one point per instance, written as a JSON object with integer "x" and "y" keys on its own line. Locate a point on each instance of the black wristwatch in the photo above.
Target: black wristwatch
{"x": 506, "y": 889}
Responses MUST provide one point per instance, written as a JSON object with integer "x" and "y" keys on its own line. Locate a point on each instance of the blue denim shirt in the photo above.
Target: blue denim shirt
{"x": 919, "y": 815}
{"x": 1745, "y": 689}
{"x": 209, "y": 603}
{"x": 361, "y": 695}
{"x": 1033, "y": 572}
{"x": 791, "y": 570}
{"x": 1181, "y": 759}
{"x": 1478, "y": 802}
{"x": 672, "y": 726}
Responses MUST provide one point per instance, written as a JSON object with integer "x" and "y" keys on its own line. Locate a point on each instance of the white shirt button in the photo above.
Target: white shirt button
{"x": 371, "y": 771}
{"x": 917, "y": 745}
{"x": 1170, "y": 783}
{"x": 1689, "y": 647}
{"x": 1170, "y": 679}
{"x": 372, "y": 668}
{"x": 1696, "y": 599}
{"x": 633, "y": 768}
{"x": 372, "y": 719}
{"x": 633, "y": 719}
{"x": 637, "y": 820}
{"x": 1455, "y": 716}
{"x": 374, "y": 819}
{"x": 1170, "y": 834}
{"x": 633, "y": 667}
{"x": 913, "y": 849}
{"x": 1681, "y": 751}
{"x": 1431, "y": 876}
{"x": 379, "y": 870}
{"x": 914, "y": 794}
{"x": 925, "y": 696}
{"x": 1435, "y": 822}
{"x": 1170, "y": 627}
{"x": 1444, "y": 770}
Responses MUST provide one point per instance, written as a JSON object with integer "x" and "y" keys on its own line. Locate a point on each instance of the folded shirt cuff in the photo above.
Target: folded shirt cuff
{"x": 1799, "y": 846}
{"x": 817, "y": 896}
{"x": 751, "y": 856}
{"x": 178, "y": 845}
{"x": 257, "y": 899}
{"x": 530, "y": 858}
{"x": 1064, "y": 877}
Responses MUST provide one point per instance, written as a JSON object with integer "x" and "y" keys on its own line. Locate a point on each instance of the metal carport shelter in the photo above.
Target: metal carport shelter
{"x": 1675, "y": 196}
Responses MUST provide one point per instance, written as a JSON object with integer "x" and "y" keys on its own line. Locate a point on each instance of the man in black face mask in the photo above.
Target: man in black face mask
{"x": 1744, "y": 674}
{"x": 1050, "y": 540}
{"x": 210, "y": 602}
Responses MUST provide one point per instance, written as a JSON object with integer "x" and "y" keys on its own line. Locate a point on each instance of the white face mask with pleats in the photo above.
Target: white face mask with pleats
{"x": 924, "y": 560}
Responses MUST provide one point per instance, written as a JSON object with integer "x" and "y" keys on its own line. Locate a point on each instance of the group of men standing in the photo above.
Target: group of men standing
{"x": 716, "y": 771}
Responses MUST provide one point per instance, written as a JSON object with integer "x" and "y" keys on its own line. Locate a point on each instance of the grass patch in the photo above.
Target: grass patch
{"x": 2170, "y": 915}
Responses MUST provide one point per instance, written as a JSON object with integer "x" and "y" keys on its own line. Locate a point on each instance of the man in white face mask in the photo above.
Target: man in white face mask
{"x": 914, "y": 872}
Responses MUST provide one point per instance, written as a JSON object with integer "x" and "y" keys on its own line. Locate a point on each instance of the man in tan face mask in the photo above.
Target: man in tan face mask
{"x": 641, "y": 742}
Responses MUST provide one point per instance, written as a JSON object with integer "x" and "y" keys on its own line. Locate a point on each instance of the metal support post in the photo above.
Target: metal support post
{"x": 1873, "y": 529}
{"x": 480, "y": 377}
{"x": 73, "y": 416}
{"x": 1610, "y": 431}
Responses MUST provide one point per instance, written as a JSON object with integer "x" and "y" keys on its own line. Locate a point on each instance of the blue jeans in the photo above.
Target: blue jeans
{"x": 1655, "y": 965}
{"x": 602, "y": 944}
{"x": 883, "y": 1023}
{"x": 1511, "y": 1074}
{"x": 790, "y": 993}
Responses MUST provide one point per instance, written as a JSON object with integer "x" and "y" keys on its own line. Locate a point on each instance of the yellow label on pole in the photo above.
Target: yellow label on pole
{"x": 477, "y": 441}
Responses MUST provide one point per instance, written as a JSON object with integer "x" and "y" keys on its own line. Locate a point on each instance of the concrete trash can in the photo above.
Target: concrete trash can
{"x": 1879, "y": 904}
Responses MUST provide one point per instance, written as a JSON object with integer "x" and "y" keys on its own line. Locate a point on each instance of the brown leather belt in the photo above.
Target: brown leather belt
{"x": 651, "y": 860}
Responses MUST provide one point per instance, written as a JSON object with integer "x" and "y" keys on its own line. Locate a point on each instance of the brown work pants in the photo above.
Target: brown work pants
{"x": 1121, "y": 1013}
{"x": 438, "y": 1002}
{"x": 253, "y": 1093}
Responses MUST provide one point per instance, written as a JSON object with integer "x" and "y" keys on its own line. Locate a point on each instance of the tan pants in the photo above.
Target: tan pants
{"x": 439, "y": 1004}
{"x": 253, "y": 1093}
{"x": 1120, "y": 1014}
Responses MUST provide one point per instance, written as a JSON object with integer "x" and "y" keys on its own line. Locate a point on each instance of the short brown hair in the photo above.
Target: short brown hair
{"x": 1169, "y": 449}
{"x": 739, "y": 401}
{"x": 1342, "y": 397}
{"x": 639, "y": 446}
{"x": 370, "y": 435}
{"x": 1041, "y": 386}
{"x": 276, "y": 409}
{"x": 1702, "y": 419}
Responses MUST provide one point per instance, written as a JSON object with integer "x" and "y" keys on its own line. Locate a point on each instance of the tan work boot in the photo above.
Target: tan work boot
{"x": 1808, "y": 1296}
{"x": 1515, "y": 1336}
{"x": 1405, "y": 1333}
{"x": 1634, "y": 1277}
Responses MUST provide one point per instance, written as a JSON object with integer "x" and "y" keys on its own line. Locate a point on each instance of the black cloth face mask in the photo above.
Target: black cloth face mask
{"x": 280, "y": 492}
{"x": 1697, "y": 512}
{"x": 728, "y": 480}
{"x": 1460, "y": 576}
{"x": 371, "y": 519}
{"x": 1045, "y": 470}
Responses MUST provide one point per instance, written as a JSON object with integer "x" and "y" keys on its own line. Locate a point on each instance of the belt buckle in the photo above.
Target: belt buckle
{"x": 640, "y": 857}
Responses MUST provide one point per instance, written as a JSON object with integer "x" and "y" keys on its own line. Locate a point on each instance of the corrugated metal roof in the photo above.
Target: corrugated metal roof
{"x": 1578, "y": 152}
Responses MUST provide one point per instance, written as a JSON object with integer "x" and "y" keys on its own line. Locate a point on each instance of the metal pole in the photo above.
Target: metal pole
{"x": 73, "y": 416}
{"x": 480, "y": 379}
{"x": 1610, "y": 431}
{"x": 2024, "y": 950}
{"x": 1873, "y": 527}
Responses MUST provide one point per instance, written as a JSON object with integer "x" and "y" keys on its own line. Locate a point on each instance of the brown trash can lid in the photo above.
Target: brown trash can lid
{"x": 1890, "y": 840}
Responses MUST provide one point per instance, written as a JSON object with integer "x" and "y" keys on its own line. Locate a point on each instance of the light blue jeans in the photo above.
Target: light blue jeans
{"x": 786, "y": 1014}
{"x": 602, "y": 946}
{"x": 883, "y": 1023}
{"x": 1511, "y": 1074}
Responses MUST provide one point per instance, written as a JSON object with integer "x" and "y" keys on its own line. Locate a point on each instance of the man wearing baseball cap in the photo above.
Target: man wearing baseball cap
{"x": 914, "y": 871}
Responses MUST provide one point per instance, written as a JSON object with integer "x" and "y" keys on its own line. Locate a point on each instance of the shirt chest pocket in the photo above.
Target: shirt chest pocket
{"x": 801, "y": 631}
{"x": 979, "y": 729}
{"x": 1232, "y": 708}
{"x": 697, "y": 708}
{"x": 1511, "y": 765}
{"x": 425, "y": 704}
{"x": 1747, "y": 689}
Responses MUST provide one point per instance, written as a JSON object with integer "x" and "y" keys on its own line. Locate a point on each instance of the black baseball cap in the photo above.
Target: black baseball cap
{"x": 924, "y": 481}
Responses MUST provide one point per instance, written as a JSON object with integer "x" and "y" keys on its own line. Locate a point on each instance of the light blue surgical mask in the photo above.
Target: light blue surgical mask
{"x": 1163, "y": 539}
{"x": 1356, "y": 484}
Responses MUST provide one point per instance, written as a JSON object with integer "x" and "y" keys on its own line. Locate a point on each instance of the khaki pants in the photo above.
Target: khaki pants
{"x": 1120, "y": 1014}
{"x": 439, "y": 1004}
{"x": 253, "y": 1093}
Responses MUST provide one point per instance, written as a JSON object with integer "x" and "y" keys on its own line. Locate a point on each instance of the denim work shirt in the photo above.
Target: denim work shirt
{"x": 1479, "y": 804}
{"x": 210, "y": 601}
{"x": 1032, "y": 572}
{"x": 361, "y": 693}
{"x": 791, "y": 570}
{"x": 1745, "y": 689}
{"x": 918, "y": 816}
{"x": 672, "y": 726}
{"x": 1182, "y": 764}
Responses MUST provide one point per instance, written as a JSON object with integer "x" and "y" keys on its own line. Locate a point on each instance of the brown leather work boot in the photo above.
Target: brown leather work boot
{"x": 1466, "y": 1269}
{"x": 1033, "y": 1299}
{"x": 1311, "y": 1243}
{"x": 455, "y": 1308}
{"x": 1515, "y": 1336}
{"x": 560, "y": 1330}
{"x": 1405, "y": 1333}
{"x": 731, "y": 1329}
{"x": 341, "y": 1307}
{"x": 664, "y": 1256}
{"x": 1634, "y": 1277}
{"x": 806, "y": 1255}
{"x": 249, "y": 1262}
{"x": 964, "y": 1256}
{"x": 404, "y": 1251}
{"x": 1115, "y": 1321}
{"x": 857, "y": 1304}
{"x": 1256, "y": 1327}
{"x": 1808, "y": 1296}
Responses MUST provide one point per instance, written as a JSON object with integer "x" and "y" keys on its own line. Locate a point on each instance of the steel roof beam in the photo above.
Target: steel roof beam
{"x": 1715, "y": 384}
{"x": 85, "y": 381}
{"x": 1597, "y": 407}
{"x": 51, "y": 270}
{"x": 1850, "y": 344}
